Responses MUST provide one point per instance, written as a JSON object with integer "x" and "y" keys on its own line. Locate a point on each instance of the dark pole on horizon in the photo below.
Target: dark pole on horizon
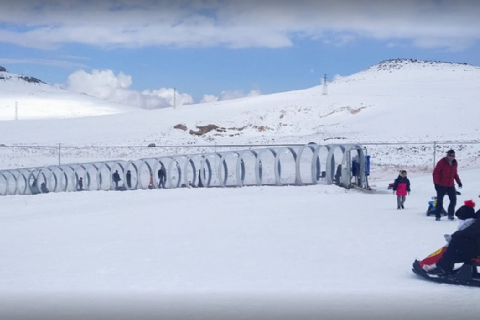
{"x": 325, "y": 89}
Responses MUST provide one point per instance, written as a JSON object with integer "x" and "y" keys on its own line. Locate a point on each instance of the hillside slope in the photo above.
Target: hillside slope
{"x": 397, "y": 100}
{"x": 38, "y": 100}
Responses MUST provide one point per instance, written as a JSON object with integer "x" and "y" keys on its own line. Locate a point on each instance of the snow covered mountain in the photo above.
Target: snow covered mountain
{"x": 400, "y": 100}
{"x": 35, "y": 99}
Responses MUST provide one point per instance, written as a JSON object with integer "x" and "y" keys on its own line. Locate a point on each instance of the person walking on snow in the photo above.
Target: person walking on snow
{"x": 162, "y": 176}
{"x": 444, "y": 174}
{"x": 401, "y": 187}
{"x": 116, "y": 178}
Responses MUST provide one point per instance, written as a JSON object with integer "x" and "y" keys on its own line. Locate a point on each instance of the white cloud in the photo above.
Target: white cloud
{"x": 209, "y": 98}
{"x": 238, "y": 24}
{"x": 172, "y": 96}
{"x": 230, "y": 95}
{"x": 104, "y": 84}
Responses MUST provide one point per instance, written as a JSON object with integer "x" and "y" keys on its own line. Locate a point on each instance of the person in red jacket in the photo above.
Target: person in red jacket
{"x": 444, "y": 174}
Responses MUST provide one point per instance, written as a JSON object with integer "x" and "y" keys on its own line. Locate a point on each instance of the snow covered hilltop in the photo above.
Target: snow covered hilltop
{"x": 394, "y": 101}
{"x": 36, "y": 99}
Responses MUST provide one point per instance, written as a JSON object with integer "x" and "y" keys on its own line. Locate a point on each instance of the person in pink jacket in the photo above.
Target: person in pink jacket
{"x": 401, "y": 187}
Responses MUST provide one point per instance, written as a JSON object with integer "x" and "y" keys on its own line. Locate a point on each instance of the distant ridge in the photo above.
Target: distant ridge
{"x": 402, "y": 62}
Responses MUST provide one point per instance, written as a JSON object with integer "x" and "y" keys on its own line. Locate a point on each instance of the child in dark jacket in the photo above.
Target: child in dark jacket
{"x": 401, "y": 187}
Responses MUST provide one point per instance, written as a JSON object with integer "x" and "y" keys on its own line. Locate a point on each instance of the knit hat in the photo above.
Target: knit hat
{"x": 470, "y": 203}
{"x": 466, "y": 211}
{"x": 451, "y": 151}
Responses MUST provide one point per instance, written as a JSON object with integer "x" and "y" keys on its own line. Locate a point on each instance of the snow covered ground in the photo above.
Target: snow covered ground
{"x": 253, "y": 252}
{"x": 300, "y": 251}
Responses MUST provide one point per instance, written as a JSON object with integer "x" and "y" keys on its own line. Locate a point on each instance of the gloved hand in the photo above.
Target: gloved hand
{"x": 460, "y": 186}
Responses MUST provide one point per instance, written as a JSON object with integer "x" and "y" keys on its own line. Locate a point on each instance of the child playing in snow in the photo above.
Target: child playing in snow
{"x": 401, "y": 187}
{"x": 466, "y": 217}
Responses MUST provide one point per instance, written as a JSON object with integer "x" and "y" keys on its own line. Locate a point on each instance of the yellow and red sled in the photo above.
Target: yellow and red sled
{"x": 467, "y": 275}
{"x": 433, "y": 258}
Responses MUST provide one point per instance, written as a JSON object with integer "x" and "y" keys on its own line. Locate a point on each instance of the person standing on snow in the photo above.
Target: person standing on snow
{"x": 80, "y": 184}
{"x": 129, "y": 179}
{"x": 162, "y": 176}
{"x": 116, "y": 178}
{"x": 401, "y": 187}
{"x": 444, "y": 174}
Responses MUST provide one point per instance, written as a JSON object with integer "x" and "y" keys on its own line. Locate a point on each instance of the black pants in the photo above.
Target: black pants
{"x": 459, "y": 250}
{"x": 452, "y": 196}
{"x": 161, "y": 182}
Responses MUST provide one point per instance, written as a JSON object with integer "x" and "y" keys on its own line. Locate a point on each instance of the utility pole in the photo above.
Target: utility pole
{"x": 325, "y": 89}
{"x": 59, "y": 154}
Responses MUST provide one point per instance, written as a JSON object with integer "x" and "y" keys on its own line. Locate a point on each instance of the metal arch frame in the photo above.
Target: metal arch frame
{"x": 16, "y": 174}
{"x": 47, "y": 178}
{"x": 144, "y": 162}
{"x": 189, "y": 163}
{"x": 58, "y": 182}
{"x": 278, "y": 165}
{"x": 259, "y": 166}
{"x": 169, "y": 181}
{"x": 241, "y": 166}
{"x": 315, "y": 162}
{"x": 331, "y": 161}
{"x": 2, "y": 174}
{"x": 206, "y": 161}
{"x": 99, "y": 175}
{"x": 117, "y": 163}
{"x": 362, "y": 158}
{"x": 65, "y": 177}
{"x": 223, "y": 163}
{"x": 201, "y": 161}
{"x": 137, "y": 172}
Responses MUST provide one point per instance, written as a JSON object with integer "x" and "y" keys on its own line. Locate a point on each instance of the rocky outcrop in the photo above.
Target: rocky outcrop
{"x": 31, "y": 79}
{"x": 2, "y": 69}
{"x": 399, "y": 63}
{"x": 180, "y": 127}
{"x": 205, "y": 129}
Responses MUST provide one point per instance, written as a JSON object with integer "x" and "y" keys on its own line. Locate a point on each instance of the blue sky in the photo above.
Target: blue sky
{"x": 225, "y": 49}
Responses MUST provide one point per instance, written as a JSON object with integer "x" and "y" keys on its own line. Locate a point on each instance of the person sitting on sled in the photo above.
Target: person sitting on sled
{"x": 466, "y": 217}
{"x": 464, "y": 244}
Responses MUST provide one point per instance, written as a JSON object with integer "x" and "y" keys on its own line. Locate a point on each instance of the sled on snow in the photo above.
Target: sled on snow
{"x": 466, "y": 275}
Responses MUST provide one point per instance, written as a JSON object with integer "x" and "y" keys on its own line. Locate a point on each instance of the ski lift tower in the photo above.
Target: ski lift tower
{"x": 325, "y": 88}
